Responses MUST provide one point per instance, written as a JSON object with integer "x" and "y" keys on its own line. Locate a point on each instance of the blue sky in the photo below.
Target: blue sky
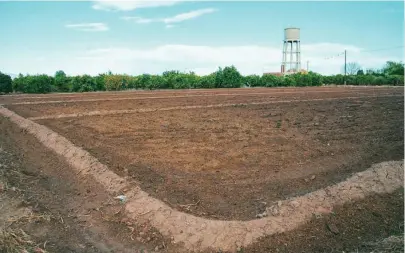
{"x": 137, "y": 37}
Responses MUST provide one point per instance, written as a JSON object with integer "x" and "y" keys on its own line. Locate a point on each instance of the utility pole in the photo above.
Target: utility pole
{"x": 345, "y": 67}
{"x": 307, "y": 66}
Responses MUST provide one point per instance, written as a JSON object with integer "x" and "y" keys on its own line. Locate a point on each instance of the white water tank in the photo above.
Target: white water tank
{"x": 291, "y": 34}
{"x": 291, "y": 51}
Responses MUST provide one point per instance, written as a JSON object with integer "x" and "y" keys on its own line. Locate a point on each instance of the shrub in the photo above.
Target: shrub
{"x": 61, "y": 81}
{"x": 229, "y": 77}
{"x": 271, "y": 81}
{"x": 316, "y": 79}
{"x": 33, "y": 84}
{"x": 6, "y": 84}
{"x": 252, "y": 81}
{"x": 288, "y": 81}
{"x": 364, "y": 79}
{"x": 380, "y": 80}
{"x": 206, "y": 82}
{"x": 395, "y": 80}
{"x": 301, "y": 79}
{"x": 115, "y": 82}
{"x": 155, "y": 82}
{"x": 82, "y": 83}
{"x": 100, "y": 82}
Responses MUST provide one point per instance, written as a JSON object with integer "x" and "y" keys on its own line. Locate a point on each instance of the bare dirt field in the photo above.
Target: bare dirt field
{"x": 231, "y": 155}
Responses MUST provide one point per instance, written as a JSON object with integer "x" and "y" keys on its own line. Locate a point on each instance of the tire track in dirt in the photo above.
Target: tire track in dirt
{"x": 196, "y": 233}
{"x": 113, "y": 112}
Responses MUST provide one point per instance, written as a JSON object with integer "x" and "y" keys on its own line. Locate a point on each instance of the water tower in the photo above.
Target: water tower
{"x": 291, "y": 51}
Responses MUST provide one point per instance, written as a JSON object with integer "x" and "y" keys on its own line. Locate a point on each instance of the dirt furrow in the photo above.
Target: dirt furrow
{"x": 197, "y": 233}
{"x": 112, "y": 112}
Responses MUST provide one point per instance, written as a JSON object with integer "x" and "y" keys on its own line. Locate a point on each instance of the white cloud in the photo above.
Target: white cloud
{"x": 170, "y": 26}
{"x": 188, "y": 15}
{"x": 130, "y": 5}
{"x": 249, "y": 59}
{"x": 175, "y": 19}
{"x": 89, "y": 27}
{"x": 139, "y": 20}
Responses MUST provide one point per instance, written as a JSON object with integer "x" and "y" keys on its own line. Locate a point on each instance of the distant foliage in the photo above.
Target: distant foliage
{"x": 206, "y": 82}
{"x": 393, "y": 68}
{"x": 253, "y": 81}
{"x": 61, "y": 81}
{"x": 6, "y": 84}
{"x": 116, "y": 82}
{"x": 366, "y": 79}
{"x": 229, "y": 77}
{"x": 271, "y": 81}
{"x": 34, "y": 84}
{"x": 82, "y": 83}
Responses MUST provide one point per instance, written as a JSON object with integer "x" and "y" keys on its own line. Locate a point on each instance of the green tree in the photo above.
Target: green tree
{"x": 252, "y": 81}
{"x": 395, "y": 80}
{"x": 100, "y": 82}
{"x": 155, "y": 82}
{"x": 365, "y": 79}
{"x": 116, "y": 82}
{"x": 289, "y": 81}
{"x": 229, "y": 77}
{"x": 316, "y": 79}
{"x": 271, "y": 80}
{"x": 34, "y": 84}
{"x": 170, "y": 78}
{"x": 380, "y": 80}
{"x": 393, "y": 68}
{"x": 6, "y": 83}
{"x": 144, "y": 81}
{"x": 82, "y": 83}
{"x": 302, "y": 79}
{"x": 18, "y": 83}
{"x": 61, "y": 81}
{"x": 206, "y": 82}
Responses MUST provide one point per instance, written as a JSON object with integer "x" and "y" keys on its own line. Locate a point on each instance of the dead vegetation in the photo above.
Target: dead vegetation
{"x": 17, "y": 241}
{"x": 15, "y": 214}
{"x": 392, "y": 244}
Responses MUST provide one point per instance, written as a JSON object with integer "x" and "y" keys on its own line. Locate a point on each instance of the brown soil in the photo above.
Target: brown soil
{"x": 84, "y": 218}
{"x": 6, "y": 99}
{"x": 44, "y": 185}
{"x": 41, "y": 196}
{"x": 359, "y": 227}
{"x": 230, "y": 163}
{"x": 69, "y": 105}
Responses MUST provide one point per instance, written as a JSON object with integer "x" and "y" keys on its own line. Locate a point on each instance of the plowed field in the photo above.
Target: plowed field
{"x": 229, "y": 154}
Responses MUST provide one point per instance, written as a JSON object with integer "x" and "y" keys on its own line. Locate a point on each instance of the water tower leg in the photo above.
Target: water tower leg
{"x": 284, "y": 56}
{"x": 299, "y": 56}
{"x": 291, "y": 56}
{"x": 296, "y": 56}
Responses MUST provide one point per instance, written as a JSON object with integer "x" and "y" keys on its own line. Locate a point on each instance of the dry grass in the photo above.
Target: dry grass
{"x": 14, "y": 240}
{"x": 17, "y": 241}
{"x": 392, "y": 244}
{"x": 31, "y": 217}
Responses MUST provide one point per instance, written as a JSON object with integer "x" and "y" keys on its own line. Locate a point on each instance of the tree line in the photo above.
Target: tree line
{"x": 228, "y": 77}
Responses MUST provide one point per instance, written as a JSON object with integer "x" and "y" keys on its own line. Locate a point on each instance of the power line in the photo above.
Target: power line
{"x": 364, "y": 51}
{"x": 332, "y": 57}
